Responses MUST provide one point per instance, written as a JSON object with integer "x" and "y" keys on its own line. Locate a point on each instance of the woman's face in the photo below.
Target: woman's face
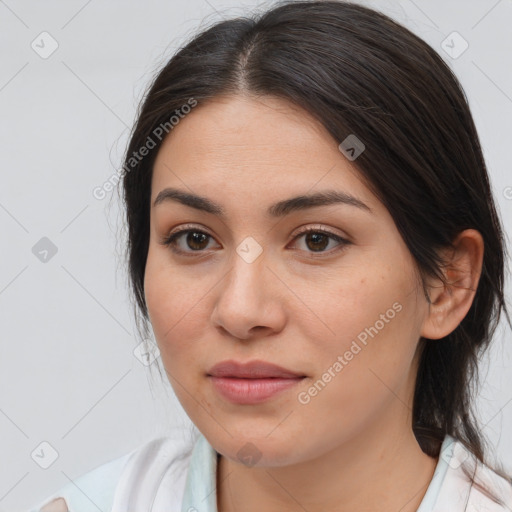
{"x": 343, "y": 314}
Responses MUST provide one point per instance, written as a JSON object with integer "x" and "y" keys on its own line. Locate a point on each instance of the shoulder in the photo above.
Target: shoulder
{"x": 155, "y": 474}
{"x": 96, "y": 486}
{"x": 111, "y": 484}
{"x": 475, "y": 483}
{"x": 491, "y": 491}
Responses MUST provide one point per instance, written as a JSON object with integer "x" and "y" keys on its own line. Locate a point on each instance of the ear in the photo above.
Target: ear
{"x": 450, "y": 302}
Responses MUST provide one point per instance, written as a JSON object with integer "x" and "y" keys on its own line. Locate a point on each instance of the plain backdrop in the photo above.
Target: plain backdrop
{"x": 69, "y": 376}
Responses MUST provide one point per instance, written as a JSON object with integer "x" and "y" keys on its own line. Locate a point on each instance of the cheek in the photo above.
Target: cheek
{"x": 174, "y": 305}
{"x": 173, "y": 311}
{"x": 352, "y": 302}
{"x": 356, "y": 382}
{"x": 366, "y": 329}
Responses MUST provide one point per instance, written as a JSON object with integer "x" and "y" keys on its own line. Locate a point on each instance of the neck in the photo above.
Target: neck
{"x": 382, "y": 468}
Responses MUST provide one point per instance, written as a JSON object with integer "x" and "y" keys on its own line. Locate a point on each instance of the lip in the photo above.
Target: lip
{"x": 255, "y": 369}
{"x": 253, "y": 382}
{"x": 251, "y": 391}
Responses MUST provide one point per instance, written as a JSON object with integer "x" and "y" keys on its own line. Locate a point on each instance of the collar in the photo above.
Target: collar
{"x": 162, "y": 476}
{"x": 201, "y": 486}
{"x": 200, "y": 489}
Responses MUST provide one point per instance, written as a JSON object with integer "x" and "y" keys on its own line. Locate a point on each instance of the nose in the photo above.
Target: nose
{"x": 250, "y": 299}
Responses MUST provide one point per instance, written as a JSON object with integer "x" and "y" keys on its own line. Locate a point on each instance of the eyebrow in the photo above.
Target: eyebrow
{"x": 279, "y": 209}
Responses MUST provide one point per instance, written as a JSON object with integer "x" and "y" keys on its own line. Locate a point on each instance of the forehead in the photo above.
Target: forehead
{"x": 246, "y": 146}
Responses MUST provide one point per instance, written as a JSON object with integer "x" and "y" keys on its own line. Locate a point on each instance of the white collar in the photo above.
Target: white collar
{"x": 162, "y": 475}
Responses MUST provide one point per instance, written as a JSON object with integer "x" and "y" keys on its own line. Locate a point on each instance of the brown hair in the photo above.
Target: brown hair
{"x": 358, "y": 72}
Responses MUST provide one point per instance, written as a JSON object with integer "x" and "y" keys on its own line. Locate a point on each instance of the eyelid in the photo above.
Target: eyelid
{"x": 317, "y": 227}
{"x": 185, "y": 227}
{"x": 301, "y": 230}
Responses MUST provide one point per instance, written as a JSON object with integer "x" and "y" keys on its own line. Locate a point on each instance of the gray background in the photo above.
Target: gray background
{"x": 68, "y": 373}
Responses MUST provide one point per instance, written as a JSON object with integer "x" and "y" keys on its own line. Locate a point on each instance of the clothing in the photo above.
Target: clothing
{"x": 161, "y": 476}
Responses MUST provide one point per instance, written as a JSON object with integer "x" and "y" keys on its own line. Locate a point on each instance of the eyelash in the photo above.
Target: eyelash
{"x": 170, "y": 241}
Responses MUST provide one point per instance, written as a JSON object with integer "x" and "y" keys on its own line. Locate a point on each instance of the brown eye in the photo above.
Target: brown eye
{"x": 186, "y": 242}
{"x": 194, "y": 241}
{"x": 316, "y": 240}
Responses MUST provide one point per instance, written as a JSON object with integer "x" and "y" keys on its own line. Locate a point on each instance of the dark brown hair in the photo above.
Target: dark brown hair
{"x": 358, "y": 72}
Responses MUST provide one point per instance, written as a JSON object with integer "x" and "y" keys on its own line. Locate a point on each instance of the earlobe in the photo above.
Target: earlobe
{"x": 450, "y": 301}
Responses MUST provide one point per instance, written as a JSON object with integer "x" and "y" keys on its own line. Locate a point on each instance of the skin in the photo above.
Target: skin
{"x": 57, "y": 505}
{"x": 352, "y": 446}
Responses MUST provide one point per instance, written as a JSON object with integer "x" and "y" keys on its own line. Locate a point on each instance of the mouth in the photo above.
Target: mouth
{"x": 253, "y": 382}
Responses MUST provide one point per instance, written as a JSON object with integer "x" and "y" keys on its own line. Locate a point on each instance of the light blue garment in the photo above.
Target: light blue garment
{"x": 95, "y": 490}
{"x": 445, "y": 455}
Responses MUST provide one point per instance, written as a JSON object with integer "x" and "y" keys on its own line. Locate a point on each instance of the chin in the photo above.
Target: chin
{"x": 257, "y": 449}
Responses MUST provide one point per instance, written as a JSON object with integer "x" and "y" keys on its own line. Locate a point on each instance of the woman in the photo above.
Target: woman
{"x": 313, "y": 239}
